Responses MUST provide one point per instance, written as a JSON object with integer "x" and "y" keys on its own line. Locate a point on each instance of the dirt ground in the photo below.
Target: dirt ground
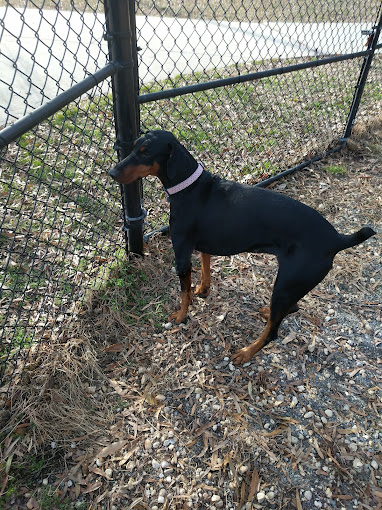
{"x": 140, "y": 414}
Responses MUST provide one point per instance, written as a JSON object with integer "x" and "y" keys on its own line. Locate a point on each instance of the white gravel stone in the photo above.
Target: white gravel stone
{"x": 155, "y": 464}
{"x": 357, "y": 463}
{"x": 215, "y": 498}
{"x": 374, "y": 464}
{"x": 260, "y": 497}
{"x": 109, "y": 472}
{"x": 329, "y": 413}
{"x": 308, "y": 495}
{"x": 309, "y": 414}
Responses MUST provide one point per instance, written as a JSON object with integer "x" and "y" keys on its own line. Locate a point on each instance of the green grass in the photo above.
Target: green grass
{"x": 265, "y": 126}
{"x": 335, "y": 170}
{"x": 19, "y": 473}
{"x": 129, "y": 294}
{"x": 60, "y": 223}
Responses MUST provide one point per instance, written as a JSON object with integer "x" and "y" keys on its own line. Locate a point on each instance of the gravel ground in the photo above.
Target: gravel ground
{"x": 180, "y": 427}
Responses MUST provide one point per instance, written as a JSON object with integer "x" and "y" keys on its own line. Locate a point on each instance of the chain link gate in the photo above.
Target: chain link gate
{"x": 255, "y": 89}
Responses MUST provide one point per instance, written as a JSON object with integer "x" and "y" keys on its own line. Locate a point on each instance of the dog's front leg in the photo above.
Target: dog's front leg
{"x": 185, "y": 297}
{"x": 183, "y": 254}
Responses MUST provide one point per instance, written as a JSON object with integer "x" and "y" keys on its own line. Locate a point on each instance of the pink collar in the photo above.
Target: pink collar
{"x": 184, "y": 184}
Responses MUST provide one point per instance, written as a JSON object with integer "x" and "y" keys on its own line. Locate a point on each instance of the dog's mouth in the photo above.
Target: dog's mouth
{"x": 121, "y": 177}
{"x": 130, "y": 173}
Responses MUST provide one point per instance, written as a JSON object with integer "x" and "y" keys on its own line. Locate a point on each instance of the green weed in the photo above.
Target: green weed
{"x": 335, "y": 170}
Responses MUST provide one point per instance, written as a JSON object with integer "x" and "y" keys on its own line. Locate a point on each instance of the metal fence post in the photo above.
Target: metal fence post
{"x": 121, "y": 36}
{"x": 371, "y": 45}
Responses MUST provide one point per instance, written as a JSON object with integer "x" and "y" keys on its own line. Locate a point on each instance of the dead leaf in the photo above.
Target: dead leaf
{"x": 275, "y": 432}
{"x": 93, "y": 487}
{"x": 111, "y": 449}
{"x": 254, "y": 486}
{"x": 115, "y": 348}
{"x": 289, "y": 338}
{"x": 318, "y": 450}
{"x": 298, "y": 501}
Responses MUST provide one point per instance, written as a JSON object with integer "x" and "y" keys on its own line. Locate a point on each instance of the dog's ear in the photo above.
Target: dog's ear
{"x": 172, "y": 161}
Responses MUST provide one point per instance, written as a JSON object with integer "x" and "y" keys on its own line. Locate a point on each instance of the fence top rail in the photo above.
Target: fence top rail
{"x": 234, "y": 80}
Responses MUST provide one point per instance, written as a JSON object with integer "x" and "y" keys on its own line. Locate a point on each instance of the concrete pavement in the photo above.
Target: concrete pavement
{"x": 44, "y": 53}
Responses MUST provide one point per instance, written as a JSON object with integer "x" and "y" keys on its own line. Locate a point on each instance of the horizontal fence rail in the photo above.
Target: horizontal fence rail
{"x": 258, "y": 75}
{"x": 18, "y": 128}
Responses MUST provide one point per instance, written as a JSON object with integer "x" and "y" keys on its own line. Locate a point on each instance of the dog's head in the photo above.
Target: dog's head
{"x": 156, "y": 153}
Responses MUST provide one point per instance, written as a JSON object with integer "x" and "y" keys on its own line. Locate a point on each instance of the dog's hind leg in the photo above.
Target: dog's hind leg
{"x": 203, "y": 289}
{"x": 294, "y": 280}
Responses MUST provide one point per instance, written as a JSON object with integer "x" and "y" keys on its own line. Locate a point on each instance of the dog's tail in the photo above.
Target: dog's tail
{"x": 347, "y": 241}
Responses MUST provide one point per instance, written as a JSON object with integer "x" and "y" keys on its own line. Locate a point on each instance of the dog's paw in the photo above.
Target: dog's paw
{"x": 201, "y": 291}
{"x": 265, "y": 312}
{"x": 178, "y": 316}
{"x": 242, "y": 356}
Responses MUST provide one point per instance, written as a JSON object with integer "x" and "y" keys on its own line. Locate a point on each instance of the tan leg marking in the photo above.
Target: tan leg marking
{"x": 247, "y": 353}
{"x": 185, "y": 299}
{"x": 203, "y": 289}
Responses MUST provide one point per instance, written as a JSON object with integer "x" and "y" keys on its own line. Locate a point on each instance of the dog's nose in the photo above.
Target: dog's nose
{"x": 113, "y": 172}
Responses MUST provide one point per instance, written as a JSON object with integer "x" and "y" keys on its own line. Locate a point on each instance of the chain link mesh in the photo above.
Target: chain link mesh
{"x": 251, "y": 130}
{"x": 60, "y": 212}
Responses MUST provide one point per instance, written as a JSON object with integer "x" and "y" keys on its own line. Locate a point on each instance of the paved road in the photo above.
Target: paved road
{"x": 30, "y": 44}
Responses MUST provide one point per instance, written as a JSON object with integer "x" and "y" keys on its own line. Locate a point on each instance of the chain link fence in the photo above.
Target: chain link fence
{"x": 252, "y": 88}
{"x": 289, "y": 73}
{"x": 59, "y": 211}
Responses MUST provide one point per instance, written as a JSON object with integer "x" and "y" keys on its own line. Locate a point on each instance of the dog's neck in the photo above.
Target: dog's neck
{"x": 186, "y": 183}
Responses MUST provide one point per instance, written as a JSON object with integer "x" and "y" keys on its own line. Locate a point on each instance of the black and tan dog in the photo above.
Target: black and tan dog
{"x": 219, "y": 217}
